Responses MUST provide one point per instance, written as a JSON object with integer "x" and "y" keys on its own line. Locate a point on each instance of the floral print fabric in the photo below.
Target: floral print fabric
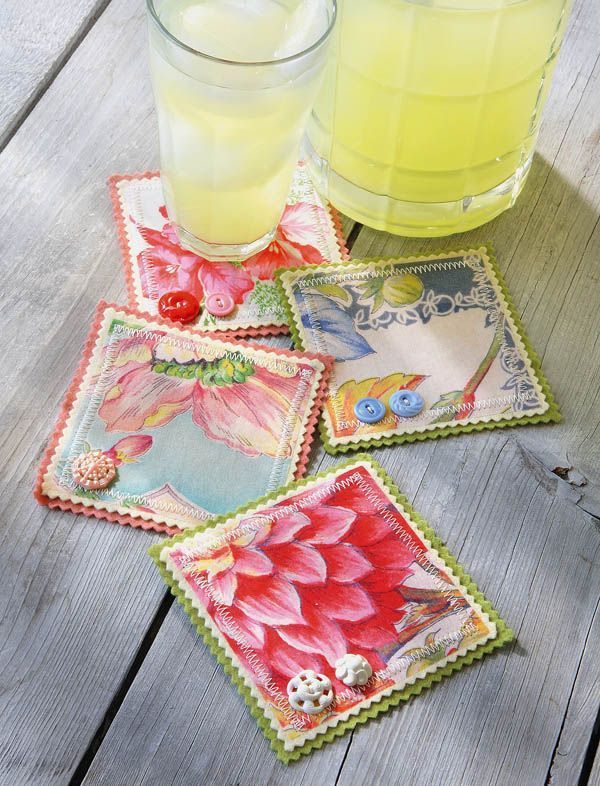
{"x": 155, "y": 263}
{"x": 442, "y": 326}
{"x": 334, "y": 568}
{"x": 168, "y": 406}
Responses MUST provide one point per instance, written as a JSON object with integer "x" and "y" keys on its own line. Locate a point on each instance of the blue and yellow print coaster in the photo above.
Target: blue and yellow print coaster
{"x": 423, "y": 346}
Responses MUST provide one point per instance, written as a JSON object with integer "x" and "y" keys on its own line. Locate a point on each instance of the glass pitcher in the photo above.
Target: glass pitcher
{"x": 430, "y": 109}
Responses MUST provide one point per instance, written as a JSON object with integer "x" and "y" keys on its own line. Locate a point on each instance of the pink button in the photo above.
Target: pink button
{"x": 93, "y": 470}
{"x": 219, "y": 304}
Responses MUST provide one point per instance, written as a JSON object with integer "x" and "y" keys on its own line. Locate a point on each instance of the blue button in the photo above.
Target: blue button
{"x": 369, "y": 410}
{"x": 406, "y": 403}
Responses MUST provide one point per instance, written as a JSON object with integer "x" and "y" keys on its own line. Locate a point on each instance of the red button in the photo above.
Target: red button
{"x": 179, "y": 306}
{"x": 219, "y": 304}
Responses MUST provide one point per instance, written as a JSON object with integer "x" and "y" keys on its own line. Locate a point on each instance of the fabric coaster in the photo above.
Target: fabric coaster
{"x": 441, "y": 327}
{"x": 169, "y": 409}
{"x": 333, "y": 566}
{"x": 155, "y": 263}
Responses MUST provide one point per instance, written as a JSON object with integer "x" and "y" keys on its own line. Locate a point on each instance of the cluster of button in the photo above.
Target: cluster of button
{"x": 404, "y": 403}
{"x": 182, "y": 306}
{"x": 312, "y": 693}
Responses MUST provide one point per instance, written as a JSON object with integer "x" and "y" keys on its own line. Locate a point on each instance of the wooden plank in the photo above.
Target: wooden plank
{"x": 575, "y": 743}
{"x": 535, "y": 559}
{"x": 595, "y": 773}
{"x": 37, "y": 38}
{"x": 522, "y": 531}
{"x": 548, "y": 247}
{"x": 77, "y": 597}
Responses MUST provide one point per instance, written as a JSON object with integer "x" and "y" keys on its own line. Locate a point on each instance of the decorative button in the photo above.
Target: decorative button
{"x": 353, "y": 670}
{"x": 310, "y": 692}
{"x": 406, "y": 403}
{"x": 219, "y": 304}
{"x": 369, "y": 410}
{"x": 179, "y": 306}
{"x": 93, "y": 470}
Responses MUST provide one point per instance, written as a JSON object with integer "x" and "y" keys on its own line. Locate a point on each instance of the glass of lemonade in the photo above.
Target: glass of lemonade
{"x": 234, "y": 82}
{"x": 430, "y": 109}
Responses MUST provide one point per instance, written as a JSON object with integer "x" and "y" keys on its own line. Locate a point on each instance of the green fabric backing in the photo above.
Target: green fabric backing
{"x": 552, "y": 415}
{"x": 504, "y": 634}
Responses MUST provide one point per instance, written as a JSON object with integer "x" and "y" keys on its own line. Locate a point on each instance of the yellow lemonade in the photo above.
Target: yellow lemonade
{"x": 232, "y": 104}
{"x": 430, "y": 109}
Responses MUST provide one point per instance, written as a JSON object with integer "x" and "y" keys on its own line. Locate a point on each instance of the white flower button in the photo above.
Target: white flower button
{"x": 353, "y": 670}
{"x": 310, "y": 692}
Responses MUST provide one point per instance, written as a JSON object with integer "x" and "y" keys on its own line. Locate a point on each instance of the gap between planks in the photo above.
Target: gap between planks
{"x": 352, "y": 230}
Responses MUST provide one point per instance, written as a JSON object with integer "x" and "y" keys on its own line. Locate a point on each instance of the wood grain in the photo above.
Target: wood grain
{"x": 36, "y": 38}
{"x": 81, "y": 604}
{"x": 77, "y": 597}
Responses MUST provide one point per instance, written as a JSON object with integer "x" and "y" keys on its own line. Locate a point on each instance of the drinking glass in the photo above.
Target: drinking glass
{"x": 430, "y": 109}
{"x": 230, "y": 129}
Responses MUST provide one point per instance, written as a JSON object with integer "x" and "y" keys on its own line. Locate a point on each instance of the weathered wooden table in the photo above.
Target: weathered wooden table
{"x": 102, "y": 678}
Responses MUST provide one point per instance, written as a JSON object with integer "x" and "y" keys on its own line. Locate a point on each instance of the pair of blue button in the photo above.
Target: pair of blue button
{"x": 404, "y": 403}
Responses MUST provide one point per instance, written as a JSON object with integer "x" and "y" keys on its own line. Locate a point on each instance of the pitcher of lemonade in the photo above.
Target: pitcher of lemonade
{"x": 429, "y": 112}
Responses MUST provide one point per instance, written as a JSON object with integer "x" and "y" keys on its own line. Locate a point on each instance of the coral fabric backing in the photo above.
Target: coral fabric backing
{"x": 155, "y": 263}
{"x": 168, "y": 406}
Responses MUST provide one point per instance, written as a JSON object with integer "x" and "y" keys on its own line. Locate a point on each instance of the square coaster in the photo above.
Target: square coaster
{"x": 328, "y": 602}
{"x": 440, "y": 328}
{"x": 155, "y": 263}
{"x": 194, "y": 425}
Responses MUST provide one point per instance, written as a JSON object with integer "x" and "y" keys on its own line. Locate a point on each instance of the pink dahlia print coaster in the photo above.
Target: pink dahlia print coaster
{"x": 424, "y": 347}
{"x": 158, "y": 421}
{"x": 155, "y": 263}
{"x": 328, "y": 602}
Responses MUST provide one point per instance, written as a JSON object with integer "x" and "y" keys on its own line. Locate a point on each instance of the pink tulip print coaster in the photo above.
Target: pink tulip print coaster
{"x": 328, "y": 602}
{"x": 155, "y": 412}
{"x": 424, "y": 347}
{"x": 155, "y": 263}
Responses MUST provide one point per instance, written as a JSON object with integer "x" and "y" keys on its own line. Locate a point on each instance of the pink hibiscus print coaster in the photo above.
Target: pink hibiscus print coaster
{"x": 164, "y": 411}
{"x": 332, "y": 601}
{"x": 155, "y": 263}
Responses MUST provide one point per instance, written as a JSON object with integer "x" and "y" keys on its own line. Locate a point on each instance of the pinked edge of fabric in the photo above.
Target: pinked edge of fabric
{"x": 552, "y": 414}
{"x": 127, "y": 260}
{"x": 141, "y": 520}
{"x": 503, "y": 633}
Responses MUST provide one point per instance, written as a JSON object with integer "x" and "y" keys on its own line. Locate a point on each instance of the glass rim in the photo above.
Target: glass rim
{"x": 250, "y": 63}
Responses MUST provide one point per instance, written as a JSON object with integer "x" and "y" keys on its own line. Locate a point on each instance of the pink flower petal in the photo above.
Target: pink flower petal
{"x": 347, "y": 602}
{"x": 345, "y": 563}
{"x": 251, "y": 562}
{"x": 284, "y": 529}
{"x": 389, "y": 554}
{"x": 288, "y": 660}
{"x": 279, "y": 253}
{"x": 368, "y": 529}
{"x": 142, "y": 399}
{"x": 298, "y": 562}
{"x": 328, "y": 524}
{"x": 299, "y": 223}
{"x": 224, "y": 586}
{"x": 370, "y": 635}
{"x": 253, "y": 634}
{"x": 385, "y": 580}
{"x": 268, "y": 599}
{"x": 130, "y": 447}
{"x": 247, "y": 416}
{"x": 320, "y": 635}
{"x": 354, "y": 498}
{"x": 226, "y": 279}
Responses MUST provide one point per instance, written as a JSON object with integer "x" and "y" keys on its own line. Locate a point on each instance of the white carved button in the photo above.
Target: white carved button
{"x": 310, "y": 692}
{"x": 353, "y": 670}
